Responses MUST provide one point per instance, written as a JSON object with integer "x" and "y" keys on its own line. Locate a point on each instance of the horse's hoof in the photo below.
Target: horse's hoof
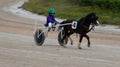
{"x": 64, "y": 46}
{"x": 79, "y": 48}
{"x": 71, "y": 43}
{"x": 88, "y": 45}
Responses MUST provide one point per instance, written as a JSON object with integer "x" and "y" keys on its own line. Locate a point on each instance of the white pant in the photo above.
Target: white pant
{"x": 50, "y": 24}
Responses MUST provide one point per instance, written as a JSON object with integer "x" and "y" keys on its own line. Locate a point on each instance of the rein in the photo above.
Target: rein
{"x": 92, "y": 28}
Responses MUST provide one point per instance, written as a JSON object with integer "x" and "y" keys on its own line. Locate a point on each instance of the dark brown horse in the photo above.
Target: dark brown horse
{"x": 81, "y": 27}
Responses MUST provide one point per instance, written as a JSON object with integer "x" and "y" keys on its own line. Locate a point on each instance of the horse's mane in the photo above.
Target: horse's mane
{"x": 81, "y": 20}
{"x": 90, "y": 14}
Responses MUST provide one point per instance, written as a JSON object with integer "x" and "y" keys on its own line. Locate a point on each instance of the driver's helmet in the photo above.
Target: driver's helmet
{"x": 51, "y": 11}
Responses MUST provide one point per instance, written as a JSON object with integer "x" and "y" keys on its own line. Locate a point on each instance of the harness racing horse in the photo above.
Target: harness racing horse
{"x": 81, "y": 27}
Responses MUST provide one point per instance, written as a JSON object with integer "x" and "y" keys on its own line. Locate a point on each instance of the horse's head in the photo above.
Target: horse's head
{"x": 93, "y": 18}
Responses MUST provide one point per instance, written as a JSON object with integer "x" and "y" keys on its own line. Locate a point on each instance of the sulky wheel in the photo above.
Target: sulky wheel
{"x": 39, "y": 37}
{"x": 60, "y": 38}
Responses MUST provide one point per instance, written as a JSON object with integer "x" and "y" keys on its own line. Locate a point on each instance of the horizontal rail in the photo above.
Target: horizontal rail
{"x": 65, "y": 24}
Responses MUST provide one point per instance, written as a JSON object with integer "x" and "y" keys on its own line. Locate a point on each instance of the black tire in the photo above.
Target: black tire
{"x": 39, "y": 40}
{"x": 60, "y": 38}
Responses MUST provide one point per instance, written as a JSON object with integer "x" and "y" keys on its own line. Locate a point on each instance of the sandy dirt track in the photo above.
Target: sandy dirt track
{"x": 17, "y": 47}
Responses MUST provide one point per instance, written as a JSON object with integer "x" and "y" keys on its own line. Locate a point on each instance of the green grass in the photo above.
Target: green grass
{"x": 65, "y": 9}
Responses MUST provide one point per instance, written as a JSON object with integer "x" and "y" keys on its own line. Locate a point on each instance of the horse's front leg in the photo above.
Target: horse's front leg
{"x": 80, "y": 40}
{"x": 87, "y": 37}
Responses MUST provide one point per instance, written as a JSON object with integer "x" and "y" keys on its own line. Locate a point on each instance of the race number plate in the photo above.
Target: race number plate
{"x": 74, "y": 24}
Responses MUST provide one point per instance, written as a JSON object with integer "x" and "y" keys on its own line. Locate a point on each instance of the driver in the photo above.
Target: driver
{"x": 50, "y": 20}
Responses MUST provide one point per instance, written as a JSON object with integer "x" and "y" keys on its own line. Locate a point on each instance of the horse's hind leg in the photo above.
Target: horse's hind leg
{"x": 81, "y": 37}
{"x": 87, "y": 39}
{"x": 71, "y": 40}
{"x": 64, "y": 45}
{"x": 70, "y": 33}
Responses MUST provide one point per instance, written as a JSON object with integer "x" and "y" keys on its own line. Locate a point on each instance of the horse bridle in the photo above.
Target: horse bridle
{"x": 92, "y": 27}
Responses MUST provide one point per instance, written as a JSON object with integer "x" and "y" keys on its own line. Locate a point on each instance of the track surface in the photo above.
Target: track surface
{"x": 17, "y": 47}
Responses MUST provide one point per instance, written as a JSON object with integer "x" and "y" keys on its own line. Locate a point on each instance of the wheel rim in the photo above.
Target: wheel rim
{"x": 60, "y": 38}
{"x": 39, "y": 37}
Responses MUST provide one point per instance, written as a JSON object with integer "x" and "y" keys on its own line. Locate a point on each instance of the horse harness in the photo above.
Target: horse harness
{"x": 92, "y": 27}
{"x": 75, "y": 24}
